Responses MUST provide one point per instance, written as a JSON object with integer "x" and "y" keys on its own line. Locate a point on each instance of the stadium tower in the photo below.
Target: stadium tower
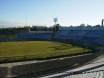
{"x": 55, "y": 20}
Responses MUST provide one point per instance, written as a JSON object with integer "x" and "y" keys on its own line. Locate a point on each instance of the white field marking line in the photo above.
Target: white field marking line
{"x": 8, "y": 48}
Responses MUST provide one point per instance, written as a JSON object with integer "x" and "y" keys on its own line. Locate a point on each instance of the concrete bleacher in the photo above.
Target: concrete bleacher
{"x": 50, "y": 66}
{"x": 3, "y": 72}
{"x": 96, "y": 72}
{"x": 92, "y": 70}
{"x": 34, "y": 68}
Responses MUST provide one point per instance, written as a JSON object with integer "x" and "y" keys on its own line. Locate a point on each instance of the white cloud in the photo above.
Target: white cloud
{"x": 11, "y": 23}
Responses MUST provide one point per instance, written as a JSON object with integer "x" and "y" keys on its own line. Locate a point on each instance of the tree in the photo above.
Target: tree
{"x": 34, "y": 29}
{"x": 97, "y": 25}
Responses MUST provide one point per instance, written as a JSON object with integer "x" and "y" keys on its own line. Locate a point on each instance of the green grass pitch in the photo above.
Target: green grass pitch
{"x": 35, "y": 47}
{"x": 30, "y": 50}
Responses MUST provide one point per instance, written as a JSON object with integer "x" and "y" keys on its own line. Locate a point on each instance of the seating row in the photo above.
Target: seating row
{"x": 50, "y": 66}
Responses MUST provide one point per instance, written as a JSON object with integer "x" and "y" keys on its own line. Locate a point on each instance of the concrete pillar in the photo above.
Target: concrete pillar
{"x": 10, "y": 74}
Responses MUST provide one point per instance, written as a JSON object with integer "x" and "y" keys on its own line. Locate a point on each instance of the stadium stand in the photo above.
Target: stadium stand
{"x": 62, "y": 33}
{"x": 92, "y": 70}
{"x": 35, "y": 35}
{"x": 49, "y": 66}
{"x": 47, "y": 36}
{"x": 99, "y": 41}
{"x": 3, "y": 72}
{"x": 89, "y": 34}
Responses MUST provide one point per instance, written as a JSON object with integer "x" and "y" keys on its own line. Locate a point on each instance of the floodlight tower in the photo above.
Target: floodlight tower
{"x": 55, "y": 20}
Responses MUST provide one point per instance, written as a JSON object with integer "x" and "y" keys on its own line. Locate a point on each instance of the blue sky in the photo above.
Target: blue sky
{"x": 41, "y": 12}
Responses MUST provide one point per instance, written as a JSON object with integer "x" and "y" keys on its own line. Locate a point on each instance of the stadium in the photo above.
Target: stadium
{"x": 71, "y": 52}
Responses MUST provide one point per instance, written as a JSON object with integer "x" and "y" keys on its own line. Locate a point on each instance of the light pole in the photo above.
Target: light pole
{"x": 55, "y": 20}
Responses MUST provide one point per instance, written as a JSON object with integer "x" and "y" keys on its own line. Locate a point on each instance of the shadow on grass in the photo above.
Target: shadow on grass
{"x": 59, "y": 47}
